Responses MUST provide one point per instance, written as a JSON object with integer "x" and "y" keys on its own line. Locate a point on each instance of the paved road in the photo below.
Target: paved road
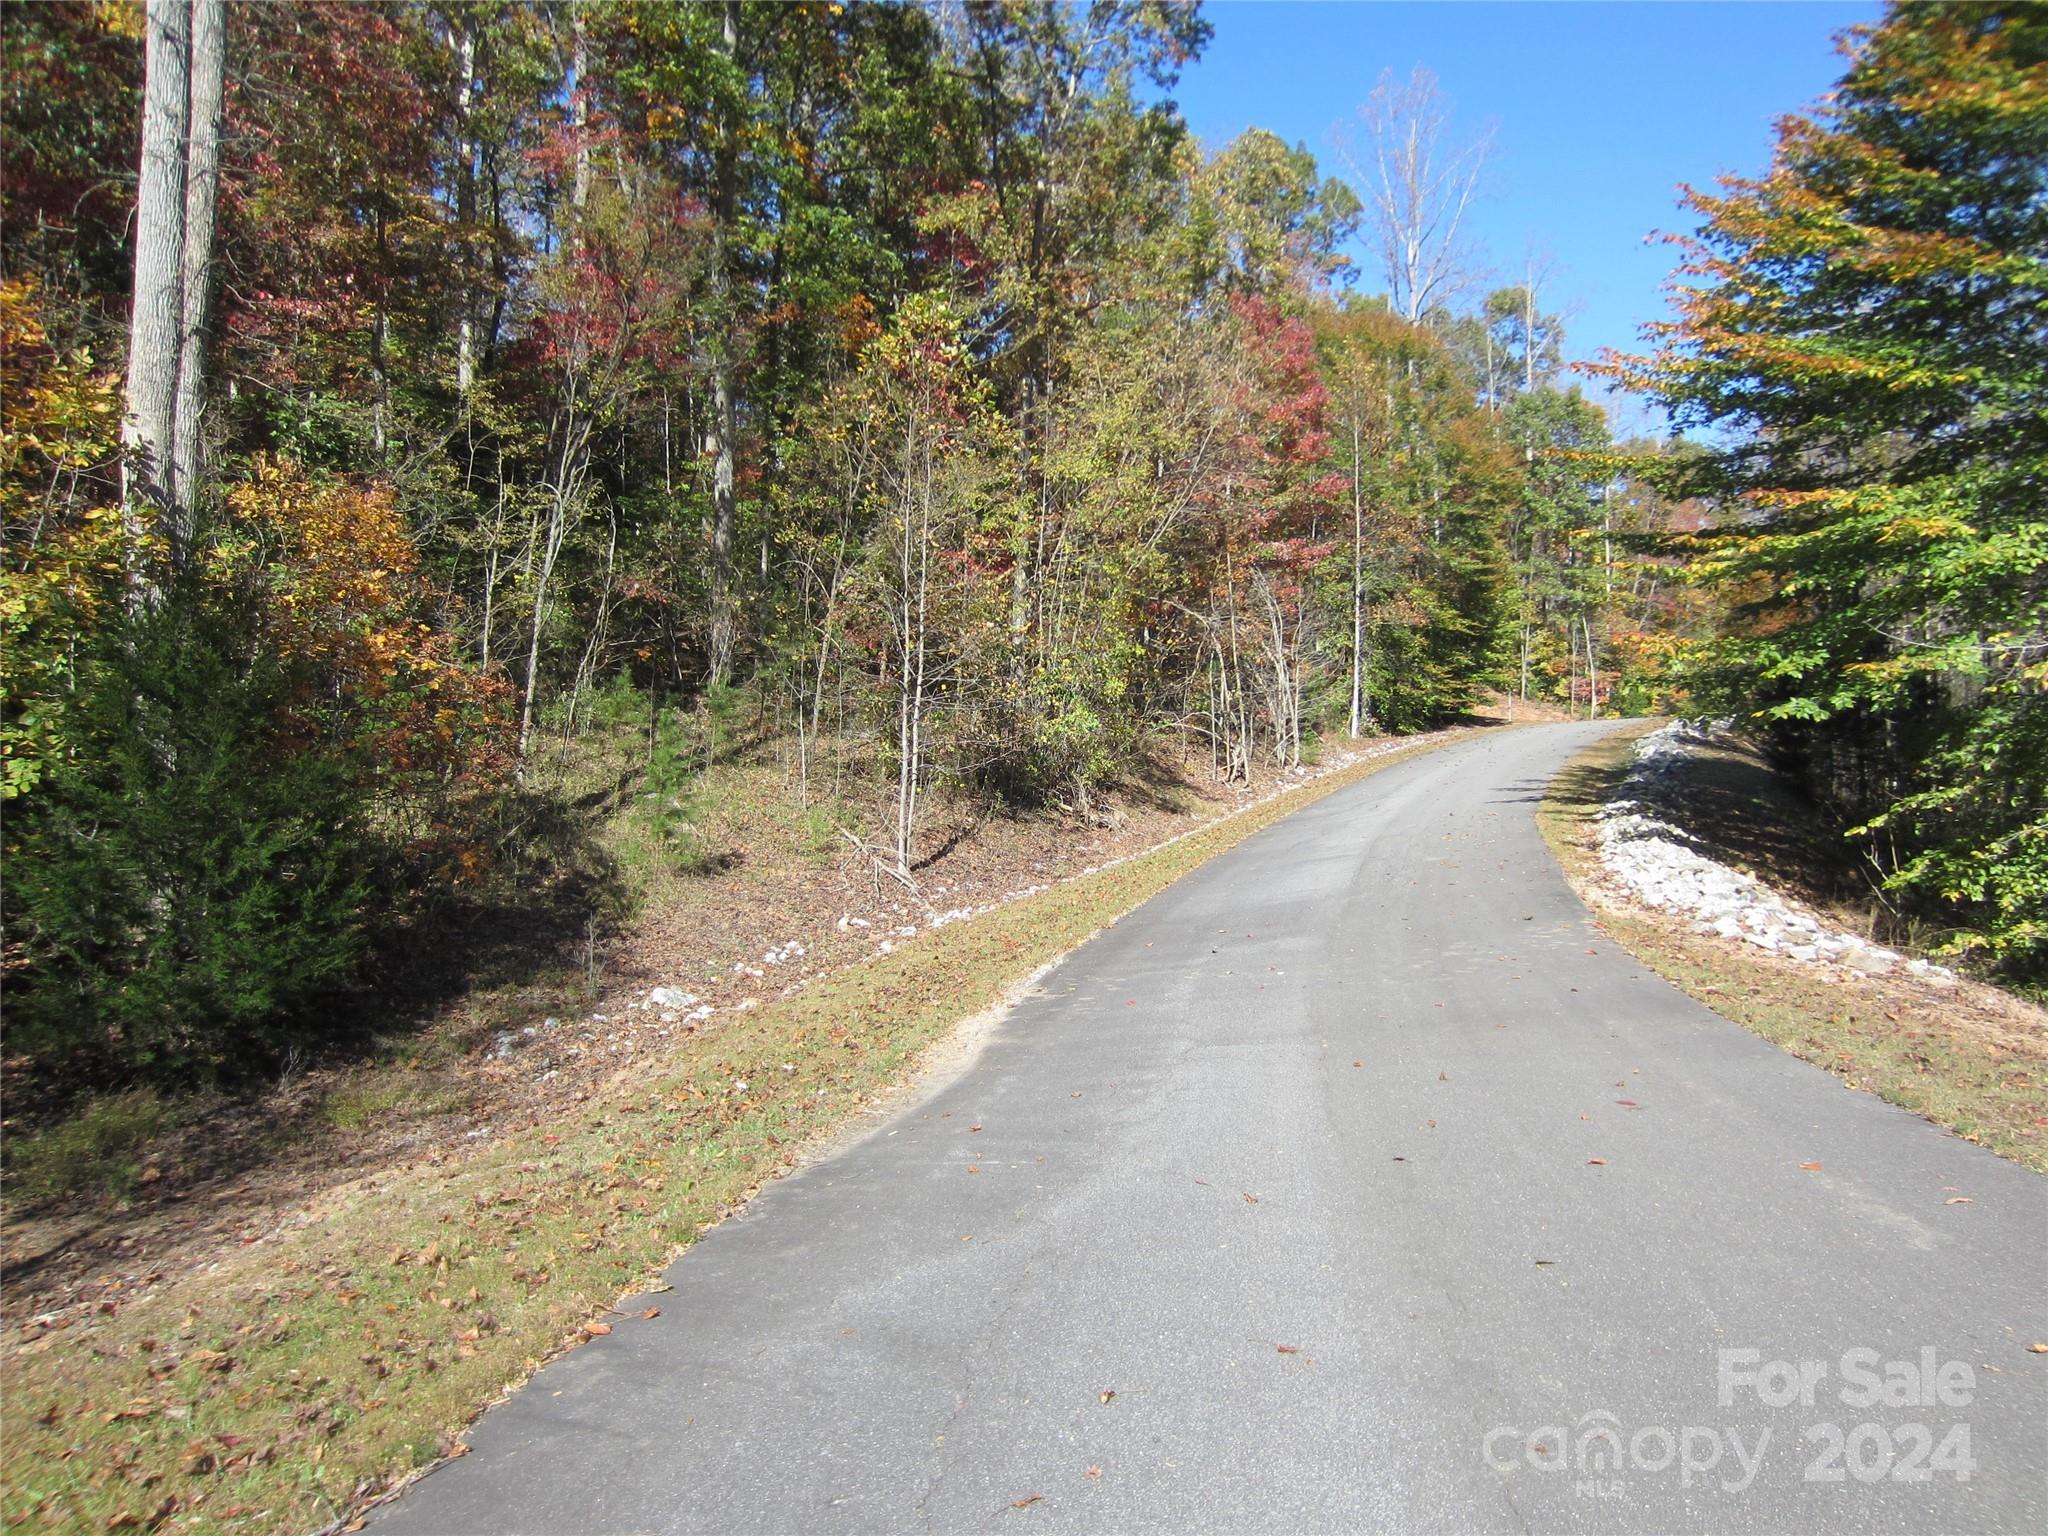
{"x": 1300, "y": 1162}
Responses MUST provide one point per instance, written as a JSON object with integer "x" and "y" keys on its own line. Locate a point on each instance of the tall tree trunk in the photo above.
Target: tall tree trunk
{"x": 465, "y": 211}
{"x": 1529, "y": 332}
{"x": 206, "y": 81}
{"x": 148, "y": 479}
{"x": 724, "y": 414}
{"x": 1357, "y": 583}
{"x": 1592, "y": 672}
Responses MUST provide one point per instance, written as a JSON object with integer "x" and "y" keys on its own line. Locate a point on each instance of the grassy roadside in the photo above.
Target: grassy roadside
{"x": 1963, "y": 1058}
{"x": 284, "y": 1387}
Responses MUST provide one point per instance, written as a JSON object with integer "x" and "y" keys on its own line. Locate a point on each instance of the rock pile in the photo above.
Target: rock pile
{"x": 1654, "y": 861}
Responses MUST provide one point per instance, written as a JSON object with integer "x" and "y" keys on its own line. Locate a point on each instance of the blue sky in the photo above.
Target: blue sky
{"x": 1599, "y": 111}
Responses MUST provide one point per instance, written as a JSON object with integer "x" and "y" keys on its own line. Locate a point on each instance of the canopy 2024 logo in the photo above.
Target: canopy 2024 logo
{"x": 1601, "y": 1454}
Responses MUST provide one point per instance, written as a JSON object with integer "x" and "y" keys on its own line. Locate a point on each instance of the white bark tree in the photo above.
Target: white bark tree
{"x": 177, "y": 192}
{"x": 1417, "y": 186}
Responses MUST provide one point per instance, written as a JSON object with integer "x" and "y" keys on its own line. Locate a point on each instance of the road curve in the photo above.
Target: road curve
{"x": 1356, "y": 1182}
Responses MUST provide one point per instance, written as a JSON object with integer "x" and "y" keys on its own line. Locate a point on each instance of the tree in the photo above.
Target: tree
{"x": 1863, "y": 327}
{"x": 1416, "y": 186}
{"x": 1565, "y": 572}
{"x": 184, "y": 71}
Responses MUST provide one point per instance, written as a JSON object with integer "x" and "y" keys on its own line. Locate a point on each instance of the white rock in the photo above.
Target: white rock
{"x": 1657, "y": 864}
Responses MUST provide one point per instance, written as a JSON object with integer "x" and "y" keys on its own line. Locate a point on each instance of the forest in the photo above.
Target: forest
{"x": 406, "y": 402}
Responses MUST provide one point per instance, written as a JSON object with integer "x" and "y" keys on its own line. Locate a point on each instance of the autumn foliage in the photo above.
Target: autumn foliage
{"x": 1864, "y": 322}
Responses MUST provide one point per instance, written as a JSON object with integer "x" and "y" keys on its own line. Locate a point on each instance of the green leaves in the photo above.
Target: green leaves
{"x": 1866, "y": 336}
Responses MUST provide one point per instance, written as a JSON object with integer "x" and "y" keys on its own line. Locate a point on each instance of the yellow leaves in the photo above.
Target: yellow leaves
{"x": 62, "y": 419}
{"x": 1911, "y": 527}
{"x": 121, "y": 18}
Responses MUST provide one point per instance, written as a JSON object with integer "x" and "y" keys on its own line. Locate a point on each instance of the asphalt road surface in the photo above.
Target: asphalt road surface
{"x": 1354, "y": 1183}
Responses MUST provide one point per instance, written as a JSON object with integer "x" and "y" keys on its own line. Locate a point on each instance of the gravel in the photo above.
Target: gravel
{"x": 1653, "y": 860}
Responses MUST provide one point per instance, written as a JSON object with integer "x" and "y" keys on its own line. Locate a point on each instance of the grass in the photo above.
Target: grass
{"x": 97, "y": 1151}
{"x": 283, "y": 1387}
{"x": 374, "y": 1095}
{"x": 1965, "y": 1059}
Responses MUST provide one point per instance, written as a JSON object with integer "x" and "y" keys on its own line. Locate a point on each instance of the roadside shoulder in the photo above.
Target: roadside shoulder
{"x": 1698, "y": 862}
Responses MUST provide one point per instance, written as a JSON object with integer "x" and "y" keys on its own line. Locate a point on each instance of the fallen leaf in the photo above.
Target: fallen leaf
{"x": 1358, "y": 1063}
{"x": 974, "y": 1128}
{"x": 1596, "y": 1162}
{"x": 597, "y": 1330}
{"x": 1958, "y": 1200}
{"x": 651, "y": 1313}
{"x": 1249, "y": 1197}
{"x": 1027, "y": 1501}
{"x": 2037, "y": 1349}
{"x": 971, "y": 1168}
{"x": 1810, "y": 1167}
{"x": 1094, "y": 1474}
{"x": 1108, "y": 1393}
{"x": 1545, "y": 1263}
{"x": 1443, "y": 1077}
{"x": 1628, "y": 1103}
{"x": 1288, "y": 1349}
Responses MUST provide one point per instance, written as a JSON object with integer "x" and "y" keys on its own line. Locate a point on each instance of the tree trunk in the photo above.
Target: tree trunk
{"x": 724, "y": 422}
{"x": 1357, "y": 586}
{"x": 1529, "y": 333}
{"x": 148, "y": 477}
{"x": 465, "y": 212}
{"x": 195, "y": 277}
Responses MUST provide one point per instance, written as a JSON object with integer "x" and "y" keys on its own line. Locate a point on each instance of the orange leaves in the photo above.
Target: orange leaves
{"x": 346, "y": 595}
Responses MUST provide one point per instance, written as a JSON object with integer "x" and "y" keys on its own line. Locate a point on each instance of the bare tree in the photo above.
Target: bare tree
{"x": 1417, "y": 185}
{"x": 184, "y": 62}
